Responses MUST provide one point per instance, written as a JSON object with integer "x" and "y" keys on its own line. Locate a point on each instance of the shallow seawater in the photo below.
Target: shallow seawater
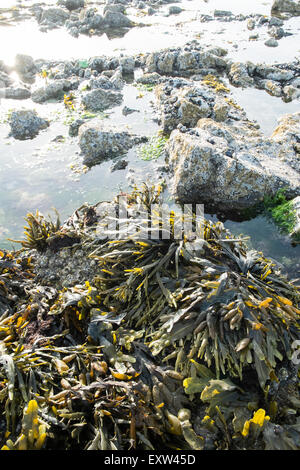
{"x": 157, "y": 31}
{"x": 266, "y": 237}
{"x": 43, "y": 174}
{"x": 262, "y": 107}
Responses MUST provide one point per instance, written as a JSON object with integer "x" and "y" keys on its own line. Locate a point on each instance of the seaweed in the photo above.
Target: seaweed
{"x": 177, "y": 342}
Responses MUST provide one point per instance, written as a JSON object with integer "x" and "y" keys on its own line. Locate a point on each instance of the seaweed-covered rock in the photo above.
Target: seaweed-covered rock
{"x": 26, "y": 124}
{"x": 185, "y": 341}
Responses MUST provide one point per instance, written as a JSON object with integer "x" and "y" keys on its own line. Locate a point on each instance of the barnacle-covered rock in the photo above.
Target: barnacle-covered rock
{"x": 99, "y": 141}
{"x": 232, "y": 166}
{"x": 26, "y": 124}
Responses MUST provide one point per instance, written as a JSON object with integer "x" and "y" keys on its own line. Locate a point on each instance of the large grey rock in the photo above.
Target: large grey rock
{"x": 174, "y": 10}
{"x": 51, "y": 91}
{"x": 71, "y": 4}
{"x": 26, "y": 124}
{"x": 17, "y": 93}
{"x": 184, "y": 106}
{"x": 271, "y": 42}
{"x": 5, "y": 80}
{"x": 287, "y": 6}
{"x": 25, "y": 66}
{"x": 116, "y": 19}
{"x": 99, "y": 99}
{"x": 239, "y": 75}
{"x": 56, "y": 16}
{"x": 288, "y": 132}
{"x": 183, "y": 62}
{"x": 118, "y": 8}
{"x": 230, "y": 168}
{"x": 99, "y": 142}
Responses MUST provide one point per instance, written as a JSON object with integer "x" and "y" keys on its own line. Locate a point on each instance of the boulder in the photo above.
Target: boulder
{"x": 25, "y": 67}
{"x": 51, "y": 91}
{"x": 184, "y": 106}
{"x": 115, "y": 19}
{"x": 17, "y": 93}
{"x": 26, "y": 124}
{"x": 239, "y": 75}
{"x": 286, "y": 6}
{"x": 99, "y": 142}
{"x": 55, "y": 16}
{"x": 229, "y": 168}
{"x": 71, "y": 4}
{"x": 100, "y": 99}
{"x": 174, "y": 10}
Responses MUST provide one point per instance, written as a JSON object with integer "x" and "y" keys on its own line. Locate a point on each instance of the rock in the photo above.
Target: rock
{"x": 271, "y": 87}
{"x": 149, "y": 78}
{"x": 271, "y": 42}
{"x": 74, "y": 127}
{"x": 251, "y": 24}
{"x": 239, "y": 75}
{"x": 26, "y": 124}
{"x": 218, "y": 51}
{"x": 274, "y": 21}
{"x": 288, "y": 130}
{"x": 286, "y": 6}
{"x": 273, "y": 73}
{"x": 99, "y": 142}
{"x": 99, "y": 99}
{"x": 25, "y": 67}
{"x": 296, "y": 206}
{"x": 116, "y": 80}
{"x": 95, "y": 83}
{"x": 54, "y": 16}
{"x": 228, "y": 168}
{"x": 184, "y": 106}
{"x": 276, "y": 32}
{"x": 291, "y": 93}
{"x": 175, "y": 10}
{"x": 5, "y": 80}
{"x": 126, "y": 111}
{"x": 183, "y": 63}
{"x": 117, "y": 20}
{"x": 222, "y": 13}
{"x": 52, "y": 91}
{"x": 71, "y": 4}
{"x": 17, "y": 93}
{"x": 221, "y": 109}
{"x": 127, "y": 65}
{"x": 119, "y": 165}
